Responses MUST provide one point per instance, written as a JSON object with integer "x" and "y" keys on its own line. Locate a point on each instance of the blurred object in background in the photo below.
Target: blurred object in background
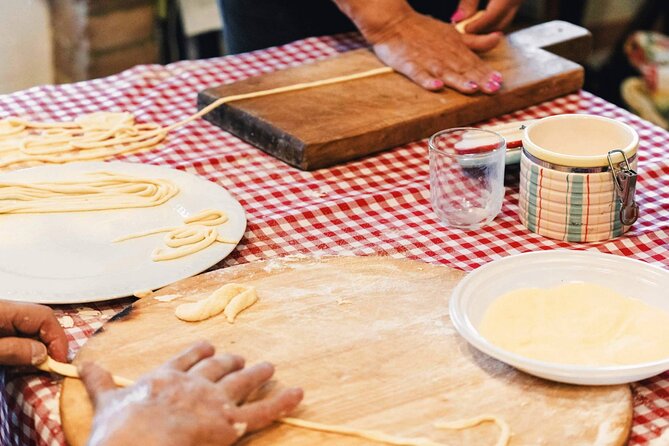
{"x": 190, "y": 29}
{"x": 25, "y": 47}
{"x": 648, "y": 52}
{"x": 605, "y": 75}
{"x": 95, "y": 38}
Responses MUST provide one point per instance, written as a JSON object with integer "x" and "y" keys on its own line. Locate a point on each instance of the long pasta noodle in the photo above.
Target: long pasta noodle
{"x": 95, "y": 191}
{"x": 102, "y": 135}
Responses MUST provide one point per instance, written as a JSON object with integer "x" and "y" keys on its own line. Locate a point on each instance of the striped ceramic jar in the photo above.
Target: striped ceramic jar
{"x": 569, "y": 193}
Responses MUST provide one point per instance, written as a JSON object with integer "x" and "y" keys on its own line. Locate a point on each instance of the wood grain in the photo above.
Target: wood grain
{"x": 370, "y": 341}
{"x": 320, "y": 127}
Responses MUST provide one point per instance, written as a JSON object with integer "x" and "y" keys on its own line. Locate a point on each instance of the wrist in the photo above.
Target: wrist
{"x": 376, "y": 19}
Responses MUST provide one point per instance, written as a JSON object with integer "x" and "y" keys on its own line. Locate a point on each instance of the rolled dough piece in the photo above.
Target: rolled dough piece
{"x": 197, "y": 233}
{"x": 207, "y": 217}
{"x": 184, "y": 241}
{"x": 240, "y": 303}
{"x": 373, "y": 435}
{"x": 577, "y": 323}
{"x": 505, "y": 431}
{"x": 382, "y": 437}
{"x": 141, "y": 294}
{"x": 461, "y": 27}
{"x": 210, "y": 306}
{"x": 70, "y": 371}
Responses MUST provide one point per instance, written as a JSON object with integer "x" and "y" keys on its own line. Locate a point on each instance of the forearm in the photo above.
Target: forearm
{"x": 372, "y": 17}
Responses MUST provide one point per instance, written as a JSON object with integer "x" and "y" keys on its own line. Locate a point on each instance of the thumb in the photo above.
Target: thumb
{"x": 21, "y": 351}
{"x": 466, "y": 9}
{"x": 481, "y": 43}
{"x": 96, "y": 379}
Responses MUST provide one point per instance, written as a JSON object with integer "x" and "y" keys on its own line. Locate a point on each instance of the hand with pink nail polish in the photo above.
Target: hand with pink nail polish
{"x": 195, "y": 399}
{"x": 29, "y": 332}
{"x": 426, "y": 50}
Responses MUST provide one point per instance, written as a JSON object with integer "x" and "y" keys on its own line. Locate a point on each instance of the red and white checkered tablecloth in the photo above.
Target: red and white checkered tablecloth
{"x": 377, "y": 205}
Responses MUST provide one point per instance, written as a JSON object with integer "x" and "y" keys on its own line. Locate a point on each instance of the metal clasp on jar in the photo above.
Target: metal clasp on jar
{"x": 624, "y": 178}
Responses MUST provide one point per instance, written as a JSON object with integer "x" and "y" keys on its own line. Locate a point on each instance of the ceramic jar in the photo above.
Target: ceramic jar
{"x": 578, "y": 177}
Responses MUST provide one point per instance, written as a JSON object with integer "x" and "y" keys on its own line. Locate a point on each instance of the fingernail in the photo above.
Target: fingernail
{"x": 472, "y": 85}
{"x": 38, "y": 353}
{"x": 496, "y": 76}
{"x": 457, "y": 15}
{"x": 435, "y": 84}
{"x": 492, "y": 85}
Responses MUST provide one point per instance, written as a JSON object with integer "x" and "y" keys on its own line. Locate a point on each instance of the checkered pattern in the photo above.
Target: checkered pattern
{"x": 377, "y": 205}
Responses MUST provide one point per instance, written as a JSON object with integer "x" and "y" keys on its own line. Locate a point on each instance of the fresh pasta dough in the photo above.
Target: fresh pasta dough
{"x": 90, "y": 137}
{"x": 197, "y": 233}
{"x": 184, "y": 241}
{"x": 505, "y": 431}
{"x": 373, "y": 435}
{"x": 240, "y": 303}
{"x": 101, "y": 135}
{"x": 95, "y": 191}
{"x": 381, "y": 437}
{"x": 461, "y": 26}
{"x": 218, "y": 302}
{"x": 577, "y": 323}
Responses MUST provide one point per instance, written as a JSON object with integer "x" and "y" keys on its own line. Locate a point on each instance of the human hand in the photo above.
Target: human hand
{"x": 497, "y": 15}
{"x": 28, "y": 332}
{"x": 433, "y": 54}
{"x": 194, "y": 399}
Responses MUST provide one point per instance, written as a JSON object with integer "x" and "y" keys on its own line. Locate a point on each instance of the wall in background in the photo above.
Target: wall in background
{"x": 25, "y": 47}
{"x": 603, "y": 11}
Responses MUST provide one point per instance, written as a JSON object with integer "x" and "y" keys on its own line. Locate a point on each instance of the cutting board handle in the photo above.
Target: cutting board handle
{"x": 561, "y": 38}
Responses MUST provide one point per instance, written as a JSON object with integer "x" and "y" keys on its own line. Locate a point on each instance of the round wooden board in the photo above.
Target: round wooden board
{"x": 370, "y": 341}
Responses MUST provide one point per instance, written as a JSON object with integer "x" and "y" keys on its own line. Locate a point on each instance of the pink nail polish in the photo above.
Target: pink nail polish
{"x": 435, "y": 84}
{"x": 457, "y": 16}
{"x": 496, "y": 76}
{"x": 472, "y": 85}
{"x": 492, "y": 86}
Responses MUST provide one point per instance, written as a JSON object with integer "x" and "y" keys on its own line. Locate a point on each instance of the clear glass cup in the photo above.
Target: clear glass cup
{"x": 467, "y": 176}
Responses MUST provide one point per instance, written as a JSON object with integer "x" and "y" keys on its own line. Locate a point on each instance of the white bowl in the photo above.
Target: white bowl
{"x": 545, "y": 269}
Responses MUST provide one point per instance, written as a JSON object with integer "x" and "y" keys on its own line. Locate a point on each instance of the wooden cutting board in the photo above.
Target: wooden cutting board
{"x": 323, "y": 126}
{"x": 370, "y": 341}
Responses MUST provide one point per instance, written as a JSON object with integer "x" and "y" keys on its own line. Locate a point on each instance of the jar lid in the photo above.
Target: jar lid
{"x": 579, "y": 140}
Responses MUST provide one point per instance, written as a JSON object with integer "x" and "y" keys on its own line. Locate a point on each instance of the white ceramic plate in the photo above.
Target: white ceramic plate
{"x": 545, "y": 269}
{"x": 69, "y": 257}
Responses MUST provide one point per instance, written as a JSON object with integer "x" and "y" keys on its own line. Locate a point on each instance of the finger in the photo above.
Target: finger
{"x": 239, "y": 385}
{"x": 495, "y": 15}
{"x": 217, "y": 367}
{"x": 35, "y": 320}
{"x": 506, "y": 21}
{"x": 452, "y": 79}
{"x": 96, "y": 379}
{"x": 21, "y": 351}
{"x": 482, "y": 43}
{"x": 488, "y": 80}
{"x": 191, "y": 356}
{"x": 460, "y": 82}
{"x": 466, "y": 9}
{"x": 491, "y": 81}
{"x": 260, "y": 414}
{"x": 420, "y": 76}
